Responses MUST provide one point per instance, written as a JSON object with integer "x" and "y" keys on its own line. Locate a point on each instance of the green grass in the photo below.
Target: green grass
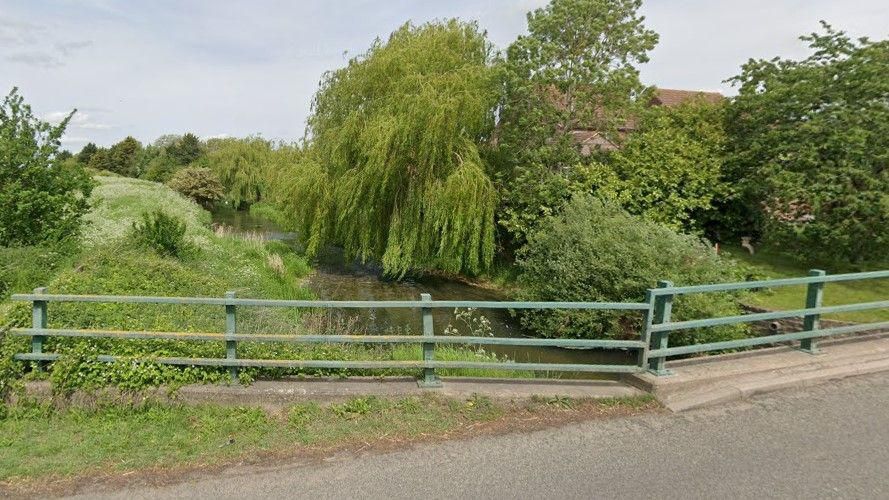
{"x": 768, "y": 265}
{"x": 38, "y": 441}
{"x": 112, "y": 264}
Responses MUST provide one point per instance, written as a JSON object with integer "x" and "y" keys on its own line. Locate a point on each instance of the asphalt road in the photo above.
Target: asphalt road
{"x": 829, "y": 441}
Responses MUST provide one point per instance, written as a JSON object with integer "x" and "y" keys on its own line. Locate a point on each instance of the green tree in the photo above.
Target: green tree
{"x": 186, "y": 150}
{"x": 575, "y": 69}
{"x": 240, "y": 164}
{"x": 809, "y": 149}
{"x": 397, "y": 176}
{"x": 669, "y": 170}
{"x": 101, "y": 160}
{"x": 41, "y": 198}
{"x": 124, "y": 157}
{"x": 198, "y": 183}
{"x": 87, "y": 153}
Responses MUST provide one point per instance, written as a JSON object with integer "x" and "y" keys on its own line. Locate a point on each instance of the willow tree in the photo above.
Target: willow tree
{"x": 397, "y": 175}
{"x": 241, "y": 165}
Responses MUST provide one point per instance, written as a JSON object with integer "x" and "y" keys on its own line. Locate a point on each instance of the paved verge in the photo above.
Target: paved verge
{"x": 714, "y": 380}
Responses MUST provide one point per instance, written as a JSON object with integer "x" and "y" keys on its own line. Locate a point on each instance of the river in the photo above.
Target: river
{"x": 335, "y": 279}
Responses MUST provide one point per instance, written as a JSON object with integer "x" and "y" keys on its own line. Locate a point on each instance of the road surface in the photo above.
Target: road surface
{"x": 829, "y": 441}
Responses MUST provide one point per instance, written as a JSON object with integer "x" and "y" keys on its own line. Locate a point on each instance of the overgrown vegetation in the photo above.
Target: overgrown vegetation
{"x": 44, "y": 443}
{"x": 591, "y": 251}
{"x": 198, "y": 183}
{"x": 161, "y": 233}
{"x": 433, "y": 153}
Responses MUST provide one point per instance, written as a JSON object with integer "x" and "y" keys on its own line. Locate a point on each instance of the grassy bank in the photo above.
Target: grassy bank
{"x": 108, "y": 262}
{"x": 769, "y": 265}
{"x": 40, "y": 442}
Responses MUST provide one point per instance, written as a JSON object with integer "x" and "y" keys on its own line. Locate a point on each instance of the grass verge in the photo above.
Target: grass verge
{"x": 769, "y": 265}
{"x": 43, "y": 444}
{"x": 111, "y": 264}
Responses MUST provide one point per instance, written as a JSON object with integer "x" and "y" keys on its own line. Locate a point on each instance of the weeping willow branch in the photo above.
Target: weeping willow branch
{"x": 394, "y": 173}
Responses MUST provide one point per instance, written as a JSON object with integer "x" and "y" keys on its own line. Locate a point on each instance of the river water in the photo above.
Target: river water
{"x": 335, "y": 279}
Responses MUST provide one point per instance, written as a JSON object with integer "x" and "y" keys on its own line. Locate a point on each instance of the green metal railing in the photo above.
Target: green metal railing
{"x": 661, "y": 300}
{"x": 652, "y": 346}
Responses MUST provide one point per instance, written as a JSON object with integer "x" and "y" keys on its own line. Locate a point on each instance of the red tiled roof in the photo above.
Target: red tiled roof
{"x": 674, "y": 97}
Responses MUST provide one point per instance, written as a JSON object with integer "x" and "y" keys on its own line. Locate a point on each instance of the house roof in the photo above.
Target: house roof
{"x": 675, "y": 97}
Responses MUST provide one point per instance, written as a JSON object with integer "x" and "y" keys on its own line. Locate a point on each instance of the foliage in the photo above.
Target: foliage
{"x": 161, "y": 232}
{"x": 575, "y": 69}
{"x": 670, "y": 168}
{"x": 396, "y": 175}
{"x": 808, "y": 149}
{"x": 198, "y": 183}
{"x": 241, "y": 166}
{"x": 86, "y": 153}
{"x": 160, "y": 168}
{"x": 41, "y": 199}
{"x": 24, "y": 268}
{"x": 595, "y": 251}
{"x": 187, "y": 149}
{"x": 123, "y": 157}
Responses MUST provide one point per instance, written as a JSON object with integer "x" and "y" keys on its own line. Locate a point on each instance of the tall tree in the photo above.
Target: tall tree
{"x": 124, "y": 157}
{"x": 240, "y": 164}
{"x": 809, "y": 149}
{"x": 87, "y": 153}
{"x": 41, "y": 198}
{"x": 397, "y": 176}
{"x": 185, "y": 150}
{"x": 575, "y": 69}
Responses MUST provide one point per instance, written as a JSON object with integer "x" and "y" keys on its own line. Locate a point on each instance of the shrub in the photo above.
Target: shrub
{"x": 163, "y": 233}
{"x": 41, "y": 197}
{"x": 594, "y": 251}
{"x": 198, "y": 183}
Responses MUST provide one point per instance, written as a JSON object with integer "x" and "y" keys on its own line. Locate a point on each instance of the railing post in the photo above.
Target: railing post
{"x": 231, "y": 345}
{"x": 429, "y": 380}
{"x": 814, "y": 296}
{"x": 38, "y": 321}
{"x": 662, "y": 310}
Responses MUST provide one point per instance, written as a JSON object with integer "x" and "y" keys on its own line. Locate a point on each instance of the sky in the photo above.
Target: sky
{"x": 224, "y": 68}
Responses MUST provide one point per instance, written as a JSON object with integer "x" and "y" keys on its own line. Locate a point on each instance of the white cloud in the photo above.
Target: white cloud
{"x": 148, "y": 69}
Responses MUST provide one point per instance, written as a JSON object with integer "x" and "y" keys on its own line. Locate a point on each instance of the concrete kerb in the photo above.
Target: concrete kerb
{"x": 281, "y": 393}
{"x": 718, "y": 379}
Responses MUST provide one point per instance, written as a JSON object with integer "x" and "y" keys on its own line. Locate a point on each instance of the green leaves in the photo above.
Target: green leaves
{"x": 394, "y": 173}
{"x": 595, "y": 251}
{"x": 575, "y": 70}
{"x": 809, "y": 149}
{"x": 41, "y": 198}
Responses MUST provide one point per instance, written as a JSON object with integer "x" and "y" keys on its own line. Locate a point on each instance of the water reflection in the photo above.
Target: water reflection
{"x": 335, "y": 280}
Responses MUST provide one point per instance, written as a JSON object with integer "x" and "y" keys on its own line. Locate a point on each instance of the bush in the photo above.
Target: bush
{"x": 593, "y": 251}
{"x": 198, "y": 183}
{"x": 807, "y": 152}
{"x": 163, "y": 233}
{"x": 41, "y": 197}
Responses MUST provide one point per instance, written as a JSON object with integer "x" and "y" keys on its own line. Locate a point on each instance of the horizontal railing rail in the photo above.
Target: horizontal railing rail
{"x": 336, "y": 339}
{"x": 332, "y": 304}
{"x": 652, "y": 346}
{"x": 753, "y": 285}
